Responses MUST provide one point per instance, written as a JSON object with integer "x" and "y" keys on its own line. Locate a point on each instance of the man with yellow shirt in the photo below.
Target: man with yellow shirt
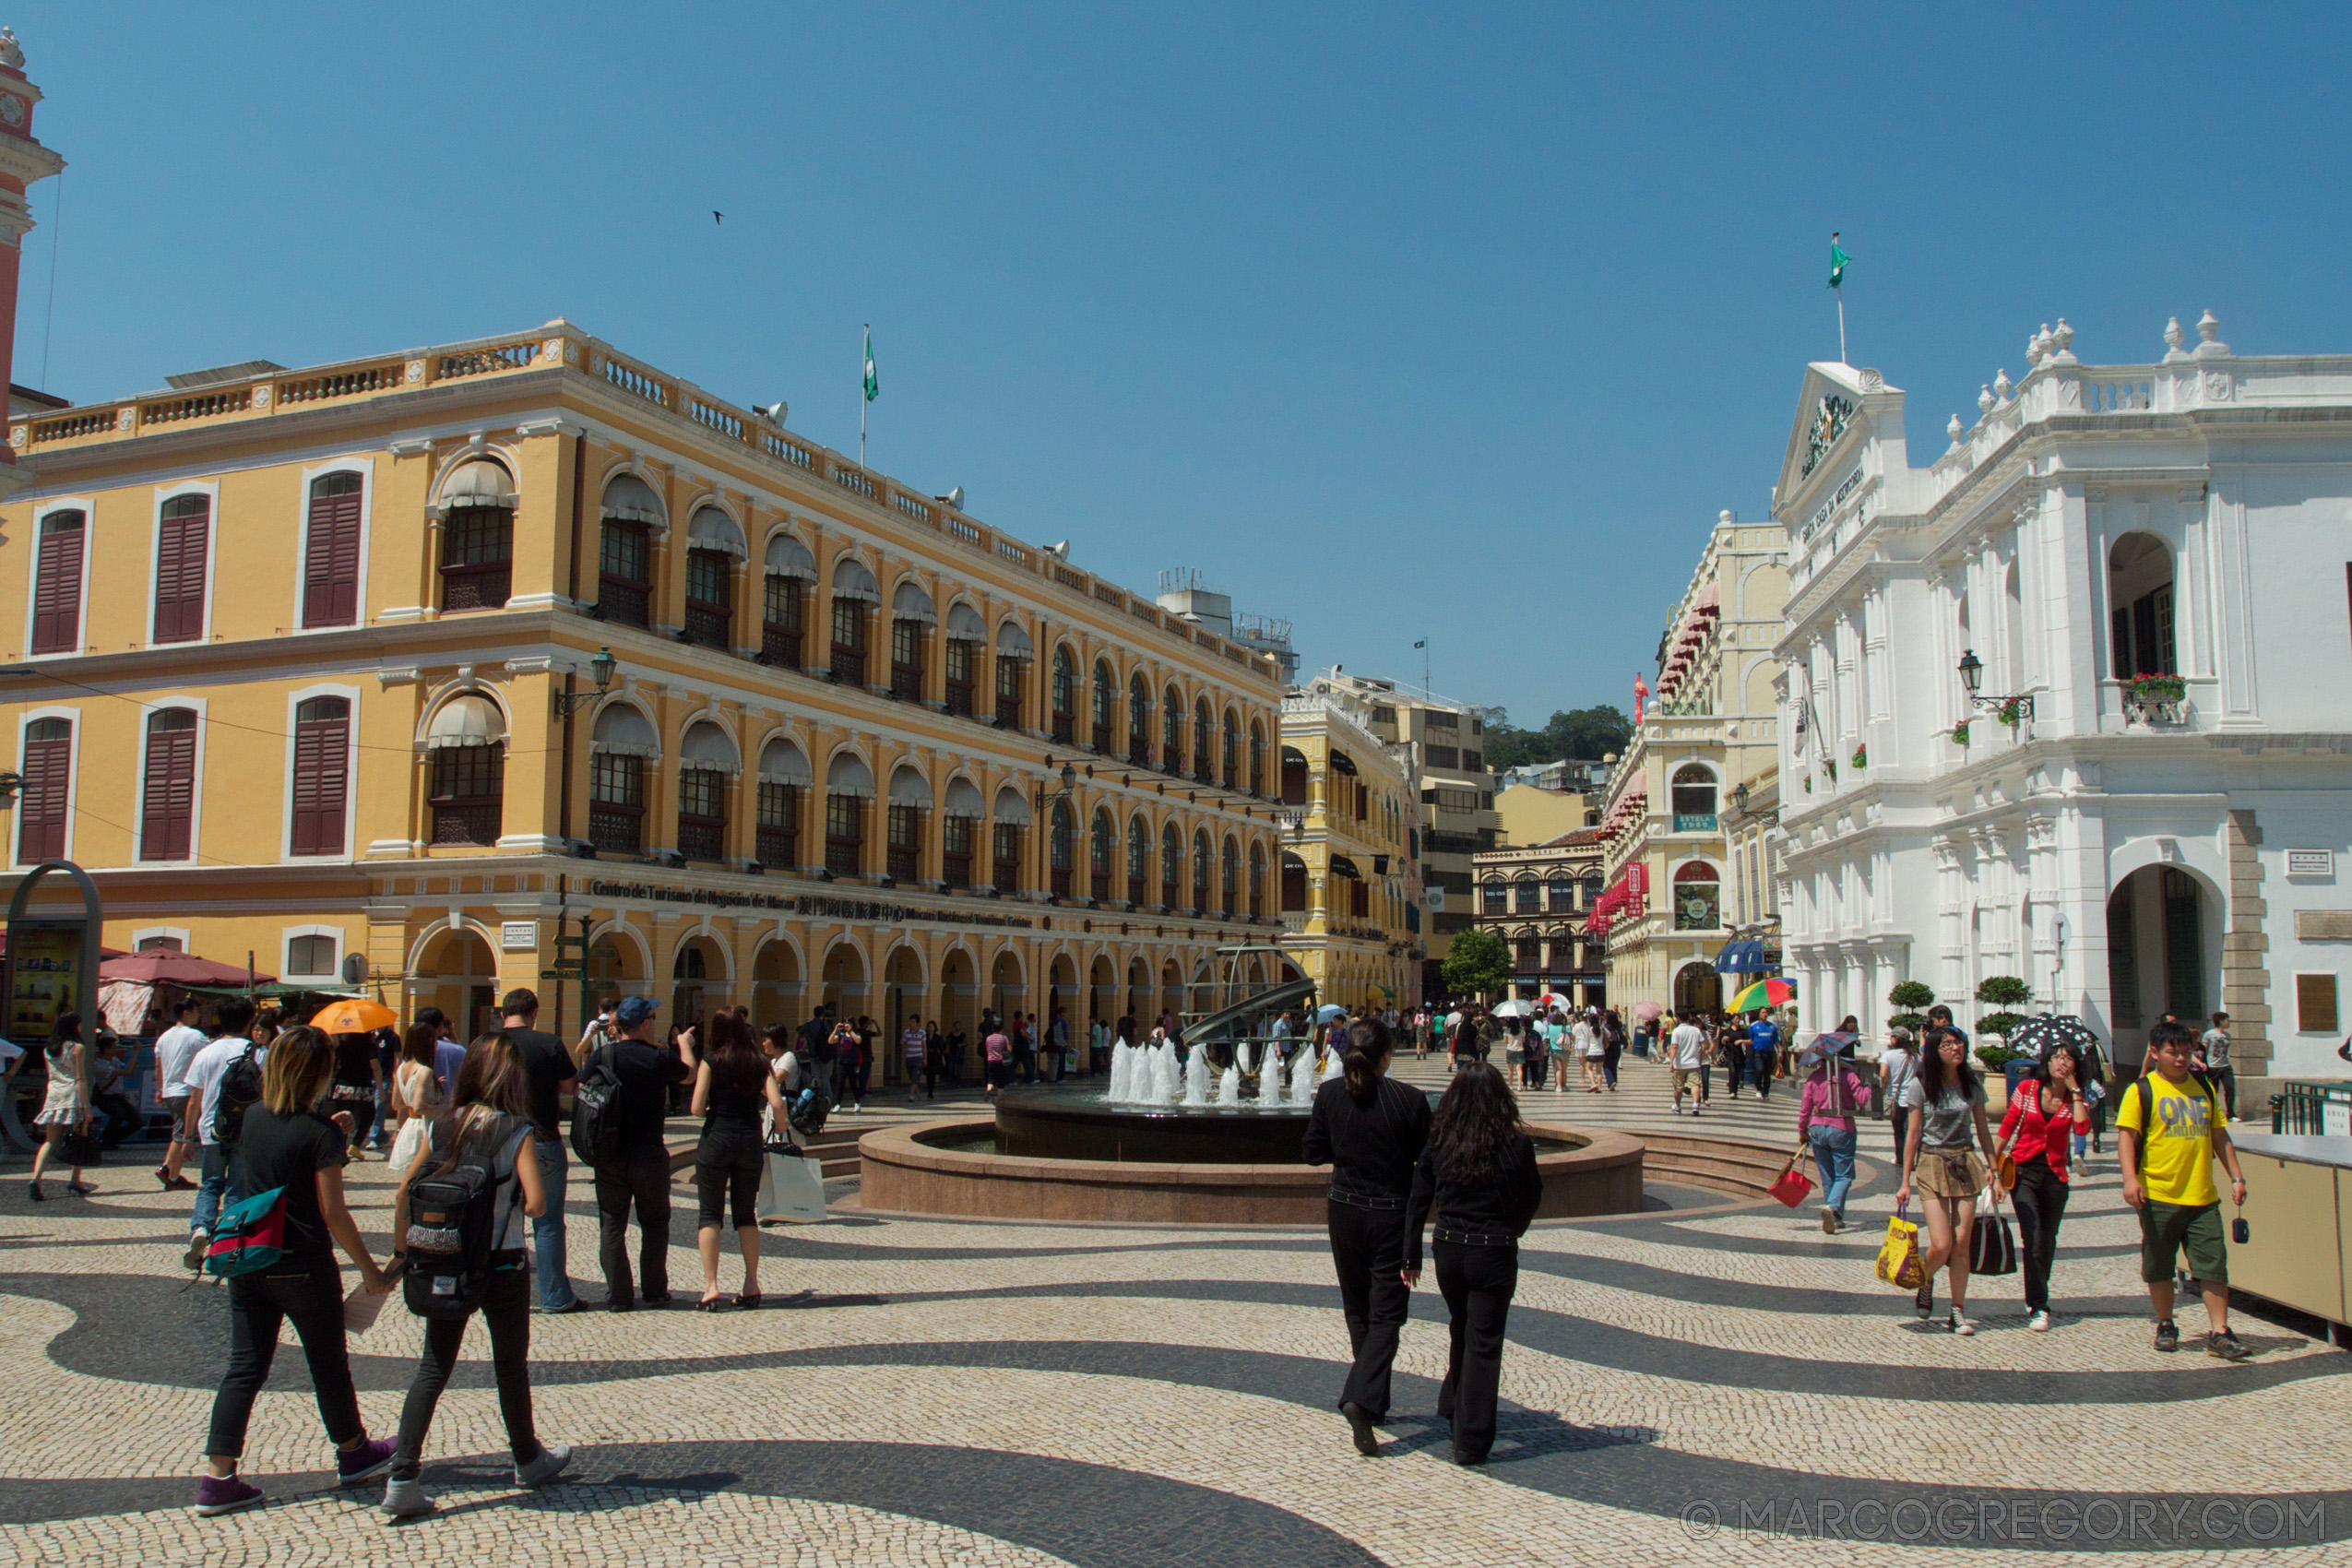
{"x": 2171, "y": 1132}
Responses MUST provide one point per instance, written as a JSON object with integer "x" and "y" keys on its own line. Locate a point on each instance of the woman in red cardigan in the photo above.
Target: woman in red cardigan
{"x": 2048, "y": 1109}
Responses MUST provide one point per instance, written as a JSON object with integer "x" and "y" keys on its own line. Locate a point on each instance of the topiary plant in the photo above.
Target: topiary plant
{"x": 2004, "y": 994}
{"x": 1910, "y": 999}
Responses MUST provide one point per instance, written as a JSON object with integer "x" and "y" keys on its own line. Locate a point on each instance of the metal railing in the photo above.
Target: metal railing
{"x": 2317, "y": 1110}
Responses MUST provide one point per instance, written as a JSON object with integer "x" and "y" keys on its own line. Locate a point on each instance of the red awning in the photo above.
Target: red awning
{"x": 161, "y": 967}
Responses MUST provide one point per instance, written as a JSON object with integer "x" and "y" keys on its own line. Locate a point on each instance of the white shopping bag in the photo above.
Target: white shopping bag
{"x": 792, "y": 1187}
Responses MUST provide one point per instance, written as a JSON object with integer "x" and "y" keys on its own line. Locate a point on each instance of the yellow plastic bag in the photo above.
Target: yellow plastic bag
{"x": 1898, "y": 1256}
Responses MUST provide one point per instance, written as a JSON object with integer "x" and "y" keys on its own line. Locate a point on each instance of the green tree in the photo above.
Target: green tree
{"x": 1910, "y": 999}
{"x": 1589, "y": 733}
{"x": 2004, "y": 993}
{"x": 1479, "y": 962}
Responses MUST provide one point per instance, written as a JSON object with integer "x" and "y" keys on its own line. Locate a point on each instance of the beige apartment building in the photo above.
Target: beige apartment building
{"x": 1348, "y": 818}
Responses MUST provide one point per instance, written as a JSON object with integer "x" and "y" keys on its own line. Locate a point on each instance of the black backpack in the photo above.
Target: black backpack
{"x": 454, "y": 1221}
{"x": 240, "y": 1092}
{"x": 596, "y": 1110}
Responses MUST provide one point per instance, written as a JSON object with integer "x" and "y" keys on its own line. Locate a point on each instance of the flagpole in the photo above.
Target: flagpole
{"x": 864, "y": 399}
{"x": 1841, "y": 325}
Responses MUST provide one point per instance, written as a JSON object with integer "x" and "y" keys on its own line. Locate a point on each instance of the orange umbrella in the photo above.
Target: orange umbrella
{"x": 356, "y": 1016}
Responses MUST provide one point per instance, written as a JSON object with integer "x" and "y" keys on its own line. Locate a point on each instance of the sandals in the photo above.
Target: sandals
{"x": 710, "y": 1304}
{"x": 748, "y": 1300}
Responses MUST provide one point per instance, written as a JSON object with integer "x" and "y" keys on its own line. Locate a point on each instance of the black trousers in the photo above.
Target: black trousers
{"x": 122, "y": 1119}
{"x": 1477, "y": 1283}
{"x": 362, "y": 1117}
{"x": 2041, "y": 1204}
{"x": 639, "y": 1177}
{"x": 258, "y": 1305}
{"x": 1368, "y": 1252}
{"x": 507, "y": 1310}
{"x": 727, "y": 1173}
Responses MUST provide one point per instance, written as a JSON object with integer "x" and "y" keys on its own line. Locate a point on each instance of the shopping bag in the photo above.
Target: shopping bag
{"x": 1994, "y": 1248}
{"x": 1898, "y": 1256}
{"x": 1793, "y": 1185}
{"x": 792, "y": 1187}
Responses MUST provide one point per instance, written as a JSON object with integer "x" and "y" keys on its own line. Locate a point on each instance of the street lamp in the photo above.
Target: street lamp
{"x": 601, "y": 671}
{"x": 1068, "y": 791}
{"x": 1739, "y": 796}
{"x": 2013, "y": 707}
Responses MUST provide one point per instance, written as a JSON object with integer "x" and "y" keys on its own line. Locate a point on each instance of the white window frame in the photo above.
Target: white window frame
{"x": 88, "y": 507}
{"x": 294, "y": 700}
{"x": 285, "y": 970}
{"x": 365, "y": 469}
{"x": 210, "y": 489}
{"x": 73, "y": 718}
{"x": 177, "y": 932}
{"x": 196, "y": 793}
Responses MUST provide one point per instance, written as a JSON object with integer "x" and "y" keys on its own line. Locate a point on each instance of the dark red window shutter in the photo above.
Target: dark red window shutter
{"x": 321, "y": 770}
{"x": 167, "y": 814}
{"x": 179, "y": 569}
{"x": 58, "y": 584}
{"x": 331, "y": 553}
{"x": 42, "y": 803}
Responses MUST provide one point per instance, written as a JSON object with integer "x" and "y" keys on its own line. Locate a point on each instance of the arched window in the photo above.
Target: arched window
{"x": 849, "y": 785}
{"x": 1139, "y": 720}
{"x": 1012, "y": 823}
{"x": 1698, "y": 897}
{"x": 1172, "y": 732}
{"x": 854, "y": 594}
{"x": 1494, "y": 899}
{"x": 1526, "y": 953}
{"x": 783, "y": 612}
{"x": 182, "y": 541}
{"x": 1066, "y": 697}
{"x": 1138, "y": 862}
{"x": 1294, "y": 883}
{"x": 624, "y": 741}
{"x": 912, "y": 615}
{"x": 1590, "y": 885}
{"x": 477, "y": 509}
{"x": 1203, "y": 737}
{"x": 468, "y": 740}
{"x": 1231, "y": 773}
{"x": 1257, "y": 880}
{"x": 1106, "y": 699}
{"x": 331, "y": 550}
{"x": 1294, "y": 777}
{"x": 1257, "y": 757}
{"x": 708, "y": 763}
{"x": 966, "y": 633}
{"x": 909, "y": 802}
{"x": 1014, "y": 653}
{"x": 1061, "y": 849}
{"x": 1561, "y": 893}
{"x": 713, "y": 546}
{"x": 1229, "y": 876}
{"x": 784, "y": 778}
{"x": 1172, "y": 866}
{"x": 625, "y": 554}
{"x": 1201, "y": 866}
{"x": 43, "y": 803}
{"x": 960, "y": 824}
{"x": 1694, "y": 789}
{"x": 167, "y": 795}
{"x": 322, "y": 775}
{"x": 2143, "y": 637}
{"x": 57, "y": 583}
{"x": 1527, "y": 896}
{"x": 1103, "y": 850}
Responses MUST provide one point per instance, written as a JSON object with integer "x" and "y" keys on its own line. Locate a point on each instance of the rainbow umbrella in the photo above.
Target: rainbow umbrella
{"x": 1773, "y": 992}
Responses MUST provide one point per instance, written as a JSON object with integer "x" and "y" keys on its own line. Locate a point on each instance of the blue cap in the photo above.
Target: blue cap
{"x": 635, "y": 1010}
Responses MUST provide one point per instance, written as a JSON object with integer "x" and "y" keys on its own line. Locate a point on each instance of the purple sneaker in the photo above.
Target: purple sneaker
{"x": 224, "y": 1495}
{"x": 366, "y": 1462}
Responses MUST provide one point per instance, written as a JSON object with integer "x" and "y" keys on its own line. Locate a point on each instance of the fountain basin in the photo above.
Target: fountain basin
{"x": 1053, "y": 1128}
{"x": 964, "y": 1168}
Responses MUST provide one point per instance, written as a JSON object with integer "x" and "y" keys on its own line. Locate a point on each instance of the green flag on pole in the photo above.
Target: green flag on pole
{"x": 1837, "y": 260}
{"x": 873, "y": 382}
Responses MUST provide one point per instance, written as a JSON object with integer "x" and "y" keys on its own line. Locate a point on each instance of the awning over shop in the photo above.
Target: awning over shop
{"x": 1741, "y": 958}
{"x": 788, "y": 557}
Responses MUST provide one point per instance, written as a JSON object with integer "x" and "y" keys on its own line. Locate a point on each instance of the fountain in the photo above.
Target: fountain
{"x": 1196, "y": 1077}
{"x": 1229, "y": 1088}
{"x": 1303, "y": 1079}
{"x": 1122, "y": 1072}
{"x": 1270, "y": 1080}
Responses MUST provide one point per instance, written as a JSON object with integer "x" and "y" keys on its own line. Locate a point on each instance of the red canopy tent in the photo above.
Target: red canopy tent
{"x": 162, "y": 966}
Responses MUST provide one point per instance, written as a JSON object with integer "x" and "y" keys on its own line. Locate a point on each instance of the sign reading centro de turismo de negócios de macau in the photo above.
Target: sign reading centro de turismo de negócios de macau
{"x": 800, "y": 904}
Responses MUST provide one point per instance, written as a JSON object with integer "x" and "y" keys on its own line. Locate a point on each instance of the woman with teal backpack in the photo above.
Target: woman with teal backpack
{"x": 293, "y": 1160}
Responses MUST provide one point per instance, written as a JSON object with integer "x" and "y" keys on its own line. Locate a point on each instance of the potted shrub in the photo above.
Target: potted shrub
{"x": 2004, "y": 994}
{"x": 1862, "y": 758}
{"x": 1910, "y": 999}
{"x": 1960, "y": 734}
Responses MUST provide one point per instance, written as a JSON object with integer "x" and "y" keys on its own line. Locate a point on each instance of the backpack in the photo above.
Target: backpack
{"x": 2145, "y": 1097}
{"x": 808, "y": 1111}
{"x": 596, "y": 1110}
{"x": 249, "y": 1235}
{"x": 454, "y": 1221}
{"x": 239, "y": 1092}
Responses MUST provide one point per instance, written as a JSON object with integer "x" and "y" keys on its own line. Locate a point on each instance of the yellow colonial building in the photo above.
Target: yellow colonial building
{"x": 1712, "y": 726}
{"x": 402, "y": 670}
{"x": 1347, "y": 798}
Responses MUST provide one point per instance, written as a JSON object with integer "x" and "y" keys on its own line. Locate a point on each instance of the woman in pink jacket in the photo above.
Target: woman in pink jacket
{"x": 1825, "y": 1121}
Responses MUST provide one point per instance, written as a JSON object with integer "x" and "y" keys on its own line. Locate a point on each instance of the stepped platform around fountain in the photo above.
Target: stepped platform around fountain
{"x": 1172, "y": 1165}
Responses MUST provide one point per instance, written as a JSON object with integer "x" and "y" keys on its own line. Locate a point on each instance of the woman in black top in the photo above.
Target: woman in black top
{"x": 731, "y": 1083}
{"x": 358, "y": 1078}
{"x": 1478, "y": 1172}
{"x": 1369, "y": 1128}
{"x": 285, "y": 1142}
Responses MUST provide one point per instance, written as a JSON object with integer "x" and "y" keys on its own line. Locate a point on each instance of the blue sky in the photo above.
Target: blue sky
{"x": 1460, "y": 323}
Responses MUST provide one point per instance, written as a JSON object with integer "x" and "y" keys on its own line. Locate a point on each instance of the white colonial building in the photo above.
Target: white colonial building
{"x": 2129, "y": 847}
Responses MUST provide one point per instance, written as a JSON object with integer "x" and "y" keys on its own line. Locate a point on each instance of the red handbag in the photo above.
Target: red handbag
{"x": 1793, "y": 1187}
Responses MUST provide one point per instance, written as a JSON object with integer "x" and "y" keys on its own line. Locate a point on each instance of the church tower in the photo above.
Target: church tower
{"x": 22, "y": 160}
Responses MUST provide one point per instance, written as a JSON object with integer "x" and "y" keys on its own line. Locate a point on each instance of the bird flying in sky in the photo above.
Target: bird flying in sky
{"x": 717, "y": 216}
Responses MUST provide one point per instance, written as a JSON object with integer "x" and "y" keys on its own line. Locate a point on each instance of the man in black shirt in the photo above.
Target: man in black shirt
{"x": 547, "y": 1067}
{"x": 641, "y": 1174}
